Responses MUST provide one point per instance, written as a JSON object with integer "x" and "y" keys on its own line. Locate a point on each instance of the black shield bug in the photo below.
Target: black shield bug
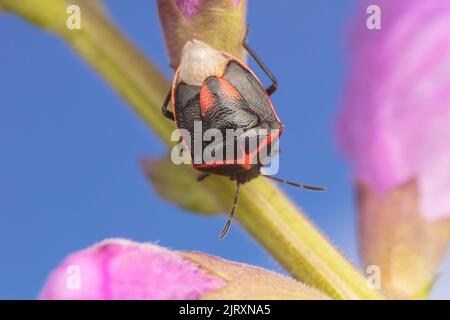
{"x": 222, "y": 93}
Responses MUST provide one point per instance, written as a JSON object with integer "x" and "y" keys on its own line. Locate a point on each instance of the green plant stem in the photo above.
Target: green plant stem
{"x": 264, "y": 210}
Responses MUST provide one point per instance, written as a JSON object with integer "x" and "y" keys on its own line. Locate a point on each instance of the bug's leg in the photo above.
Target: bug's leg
{"x": 180, "y": 140}
{"x": 273, "y": 87}
{"x": 231, "y": 214}
{"x": 202, "y": 176}
{"x": 166, "y": 113}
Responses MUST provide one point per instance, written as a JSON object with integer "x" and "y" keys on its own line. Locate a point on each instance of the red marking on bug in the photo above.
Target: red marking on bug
{"x": 207, "y": 99}
{"x": 228, "y": 90}
{"x": 247, "y": 159}
{"x": 246, "y": 164}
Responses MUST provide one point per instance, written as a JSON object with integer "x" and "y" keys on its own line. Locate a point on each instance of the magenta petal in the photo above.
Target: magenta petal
{"x": 121, "y": 269}
{"x": 395, "y": 120}
{"x": 188, "y": 7}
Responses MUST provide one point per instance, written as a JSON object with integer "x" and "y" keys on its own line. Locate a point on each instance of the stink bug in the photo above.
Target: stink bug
{"x": 221, "y": 92}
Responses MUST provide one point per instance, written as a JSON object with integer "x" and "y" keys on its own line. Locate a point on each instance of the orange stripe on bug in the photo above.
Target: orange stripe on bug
{"x": 207, "y": 99}
{"x": 228, "y": 90}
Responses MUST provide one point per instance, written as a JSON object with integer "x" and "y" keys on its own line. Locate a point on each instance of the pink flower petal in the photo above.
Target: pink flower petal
{"x": 395, "y": 121}
{"x": 188, "y": 7}
{"x": 120, "y": 269}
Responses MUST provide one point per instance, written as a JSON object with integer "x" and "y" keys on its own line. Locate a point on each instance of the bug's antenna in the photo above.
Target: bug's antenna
{"x": 231, "y": 214}
{"x": 297, "y": 184}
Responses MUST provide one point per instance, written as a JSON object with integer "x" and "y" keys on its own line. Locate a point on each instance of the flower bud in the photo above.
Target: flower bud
{"x": 122, "y": 269}
{"x": 394, "y": 127}
{"x": 219, "y": 23}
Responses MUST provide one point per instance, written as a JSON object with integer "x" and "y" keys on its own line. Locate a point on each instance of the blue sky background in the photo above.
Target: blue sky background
{"x": 70, "y": 147}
